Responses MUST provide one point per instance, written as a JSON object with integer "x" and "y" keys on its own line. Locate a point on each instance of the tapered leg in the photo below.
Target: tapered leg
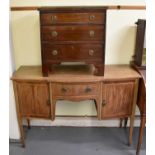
{"x": 19, "y": 117}
{"x": 28, "y": 123}
{"x": 131, "y": 129}
{"x": 132, "y": 117}
{"x": 142, "y": 126}
{"x": 21, "y": 132}
{"x": 95, "y": 104}
{"x": 121, "y": 122}
{"x": 125, "y": 122}
{"x": 98, "y": 104}
{"x": 53, "y": 108}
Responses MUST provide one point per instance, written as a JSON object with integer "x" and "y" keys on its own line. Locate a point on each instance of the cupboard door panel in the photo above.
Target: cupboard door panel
{"x": 26, "y": 99}
{"x": 42, "y": 102}
{"x": 34, "y": 99}
{"x": 117, "y": 99}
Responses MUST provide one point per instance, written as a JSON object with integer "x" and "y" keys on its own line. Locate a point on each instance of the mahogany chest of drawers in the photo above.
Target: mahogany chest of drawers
{"x": 73, "y": 34}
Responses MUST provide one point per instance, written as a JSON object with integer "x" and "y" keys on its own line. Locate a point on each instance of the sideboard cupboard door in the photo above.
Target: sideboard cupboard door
{"x": 34, "y": 99}
{"x": 117, "y": 99}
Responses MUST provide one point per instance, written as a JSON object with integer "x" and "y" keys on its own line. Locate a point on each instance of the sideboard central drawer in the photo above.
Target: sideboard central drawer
{"x": 72, "y": 33}
{"x": 72, "y": 18}
{"x": 75, "y": 89}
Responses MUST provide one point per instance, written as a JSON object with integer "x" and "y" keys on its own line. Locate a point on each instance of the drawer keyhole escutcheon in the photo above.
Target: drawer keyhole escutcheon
{"x": 54, "y": 52}
{"x": 53, "y": 18}
{"x": 91, "y": 33}
{"x": 54, "y": 33}
{"x": 91, "y": 17}
{"x": 87, "y": 90}
{"x": 91, "y": 52}
{"x": 104, "y": 103}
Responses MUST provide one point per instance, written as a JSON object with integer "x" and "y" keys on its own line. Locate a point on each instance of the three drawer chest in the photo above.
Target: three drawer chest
{"x": 73, "y": 34}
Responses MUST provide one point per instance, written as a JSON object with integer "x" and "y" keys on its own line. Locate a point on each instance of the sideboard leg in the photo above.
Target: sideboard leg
{"x": 131, "y": 129}
{"x": 97, "y": 104}
{"x": 121, "y": 122}
{"x": 19, "y": 117}
{"x": 142, "y": 126}
{"x": 132, "y": 117}
{"x": 125, "y": 122}
{"x": 28, "y": 123}
{"x": 21, "y": 128}
{"x": 53, "y": 108}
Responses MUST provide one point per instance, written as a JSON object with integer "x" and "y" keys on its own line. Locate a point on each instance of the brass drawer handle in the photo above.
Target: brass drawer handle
{"x": 91, "y": 17}
{"x": 54, "y": 33}
{"x": 53, "y": 18}
{"x": 54, "y": 52}
{"x": 104, "y": 103}
{"x": 91, "y": 52}
{"x": 87, "y": 90}
{"x": 64, "y": 90}
{"x": 91, "y": 33}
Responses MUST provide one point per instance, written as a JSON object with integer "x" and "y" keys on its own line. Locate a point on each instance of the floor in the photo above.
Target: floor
{"x": 77, "y": 141}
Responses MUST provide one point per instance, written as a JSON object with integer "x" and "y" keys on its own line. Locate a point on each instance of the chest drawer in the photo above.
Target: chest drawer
{"x": 75, "y": 89}
{"x": 69, "y": 52}
{"x": 72, "y": 18}
{"x": 72, "y": 33}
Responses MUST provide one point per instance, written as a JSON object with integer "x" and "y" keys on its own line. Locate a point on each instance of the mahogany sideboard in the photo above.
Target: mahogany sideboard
{"x": 114, "y": 94}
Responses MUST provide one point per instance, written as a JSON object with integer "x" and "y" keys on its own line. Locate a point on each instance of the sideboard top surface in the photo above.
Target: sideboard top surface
{"x": 81, "y": 73}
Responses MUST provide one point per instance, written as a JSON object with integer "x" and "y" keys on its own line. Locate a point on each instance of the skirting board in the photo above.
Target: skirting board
{"x": 79, "y": 122}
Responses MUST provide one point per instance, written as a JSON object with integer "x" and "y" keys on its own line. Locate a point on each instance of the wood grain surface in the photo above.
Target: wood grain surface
{"x": 118, "y": 98}
{"x": 72, "y": 18}
{"x": 76, "y": 73}
{"x": 34, "y": 99}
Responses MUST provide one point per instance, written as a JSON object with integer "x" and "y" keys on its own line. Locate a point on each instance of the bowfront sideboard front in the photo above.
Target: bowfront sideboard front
{"x": 114, "y": 94}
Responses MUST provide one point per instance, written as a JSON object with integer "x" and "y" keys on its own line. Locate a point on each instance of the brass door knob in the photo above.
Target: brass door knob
{"x": 54, "y": 52}
{"x": 53, "y": 18}
{"x": 91, "y": 33}
{"x": 91, "y": 17}
{"x": 91, "y": 52}
{"x": 54, "y": 33}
